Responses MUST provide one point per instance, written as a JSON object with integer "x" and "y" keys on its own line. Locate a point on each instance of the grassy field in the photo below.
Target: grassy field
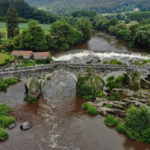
{"x": 22, "y": 26}
{"x": 5, "y": 58}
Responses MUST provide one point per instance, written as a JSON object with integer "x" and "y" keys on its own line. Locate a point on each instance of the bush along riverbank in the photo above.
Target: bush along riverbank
{"x": 5, "y": 83}
{"x": 5, "y": 121}
{"x": 123, "y": 100}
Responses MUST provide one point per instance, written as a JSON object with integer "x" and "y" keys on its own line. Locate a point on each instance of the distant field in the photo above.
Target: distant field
{"x": 23, "y": 26}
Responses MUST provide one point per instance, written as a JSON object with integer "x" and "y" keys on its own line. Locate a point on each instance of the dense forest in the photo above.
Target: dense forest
{"x": 100, "y": 6}
{"x": 25, "y": 11}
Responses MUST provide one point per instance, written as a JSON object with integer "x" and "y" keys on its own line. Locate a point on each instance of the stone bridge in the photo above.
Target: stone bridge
{"x": 29, "y": 72}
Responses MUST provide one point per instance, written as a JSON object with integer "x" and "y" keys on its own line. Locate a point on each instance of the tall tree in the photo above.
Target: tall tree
{"x": 33, "y": 37}
{"x": 12, "y": 21}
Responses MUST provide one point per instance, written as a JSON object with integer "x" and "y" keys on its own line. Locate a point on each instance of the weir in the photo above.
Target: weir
{"x": 29, "y": 72}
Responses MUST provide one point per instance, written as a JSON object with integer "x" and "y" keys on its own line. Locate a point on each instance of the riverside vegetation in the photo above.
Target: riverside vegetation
{"x": 126, "y": 110}
{"x": 5, "y": 120}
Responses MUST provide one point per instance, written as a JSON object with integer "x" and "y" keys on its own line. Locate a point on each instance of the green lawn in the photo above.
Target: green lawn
{"x": 5, "y": 58}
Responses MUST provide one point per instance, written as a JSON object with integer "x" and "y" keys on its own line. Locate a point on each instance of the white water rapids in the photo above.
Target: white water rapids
{"x": 78, "y": 57}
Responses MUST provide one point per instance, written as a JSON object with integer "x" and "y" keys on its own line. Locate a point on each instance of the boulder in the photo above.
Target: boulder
{"x": 13, "y": 125}
{"x": 116, "y": 112}
{"x": 26, "y": 126}
{"x": 126, "y": 92}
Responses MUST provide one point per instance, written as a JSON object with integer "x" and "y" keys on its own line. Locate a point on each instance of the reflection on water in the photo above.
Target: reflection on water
{"x": 103, "y": 41}
{"x": 58, "y": 121}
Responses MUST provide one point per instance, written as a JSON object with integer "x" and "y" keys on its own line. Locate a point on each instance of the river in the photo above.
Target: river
{"x": 58, "y": 121}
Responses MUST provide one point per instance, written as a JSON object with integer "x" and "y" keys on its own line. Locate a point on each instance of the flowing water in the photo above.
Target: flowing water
{"x": 58, "y": 121}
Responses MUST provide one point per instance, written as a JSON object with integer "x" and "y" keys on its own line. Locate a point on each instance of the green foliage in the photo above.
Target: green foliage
{"x": 3, "y": 134}
{"x": 136, "y": 34}
{"x": 113, "y": 62}
{"x": 25, "y": 11}
{"x": 90, "y": 85}
{"x": 85, "y": 26}
{"x": 110, "y": 121}
{"x": 89, "y": 108}
{"x": 3, "y": 86}
{"x": 29, "y": 99}
{"x": 25, "y": 63}
{"x": 65, "y": 7}
{"x": 4, "y": 110}
{"x": 138, "y": 119}
{"x": 5, "y": 121}
{"x": 84, "y": 13}
{"x": 63, "y": 36}
{"x": 12, "y": 21}
{"x": 33, "y": 38}
{"x": 5, "y": 58}
{"x": 138, "y": 16}
{"x": 7, "y": 82}
{"x": 120, "y": 127}
{"x": 115, "y": 83}
{"x": 109, "y": 106}
{"x": 135, "y": 81}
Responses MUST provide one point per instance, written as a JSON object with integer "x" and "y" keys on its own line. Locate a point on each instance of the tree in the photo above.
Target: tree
{"x": 33, "y": 37}
{"x": 85, "y": 26}
{"x": 12, "y": 22}
{"x": 63, "y": 36}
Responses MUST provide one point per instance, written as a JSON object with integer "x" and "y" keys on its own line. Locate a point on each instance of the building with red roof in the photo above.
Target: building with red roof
{"x": 24, "y": 54}
{"x": 41, "y": 55}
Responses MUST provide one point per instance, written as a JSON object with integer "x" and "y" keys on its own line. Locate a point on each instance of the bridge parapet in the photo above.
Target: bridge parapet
{"x": 28, "y": 72}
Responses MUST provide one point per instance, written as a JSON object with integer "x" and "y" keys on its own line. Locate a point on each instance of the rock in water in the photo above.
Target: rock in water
{"x": 26, "y": 126}
{"x": 13, "y": 125}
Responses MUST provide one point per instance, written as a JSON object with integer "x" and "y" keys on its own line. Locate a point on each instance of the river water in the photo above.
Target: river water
{"x": 58, "y": 121}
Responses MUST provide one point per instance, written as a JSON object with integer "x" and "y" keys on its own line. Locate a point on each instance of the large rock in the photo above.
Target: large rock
{"x": 26, "y": 126}
{"x": 33, "y": 88}
{"x": 126, "y": 92}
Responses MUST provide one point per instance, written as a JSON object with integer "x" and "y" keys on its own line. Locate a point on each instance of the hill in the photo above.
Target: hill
{"x": 25, "y": 11}
{"x": 100, "y": 6}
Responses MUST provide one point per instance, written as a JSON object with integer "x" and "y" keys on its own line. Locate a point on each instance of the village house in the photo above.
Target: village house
{"x": 41, "y": 55}
{"x": 24, "y": 54}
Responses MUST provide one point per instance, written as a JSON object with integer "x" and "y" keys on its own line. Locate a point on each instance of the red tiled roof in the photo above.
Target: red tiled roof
{"x": 41, "y": 54}
{"x": 23, "y": 53}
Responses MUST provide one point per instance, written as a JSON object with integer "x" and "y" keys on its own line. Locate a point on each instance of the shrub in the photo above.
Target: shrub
{"x": 90, "y": 108}
{"x": 10, "y": 81}
{"x": 3, "y": 86}
{"x": 138, "y": 119}
{"x": 120, "y": 128}
{"x": 7, "y": 82}
{"x": 3, "y": 134}
{"x": 132, "y": 134}
{"x": 92, "y": 111}
{"x": 4, "y": 110}
{"x": 146, "y": 135}
{"x": 5, "y": 121}
{"x": 90, "y": 85}
{"x": 30, "y": 99}
{"x": 110, "y": 121}
{"x": 115, "y": 83}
